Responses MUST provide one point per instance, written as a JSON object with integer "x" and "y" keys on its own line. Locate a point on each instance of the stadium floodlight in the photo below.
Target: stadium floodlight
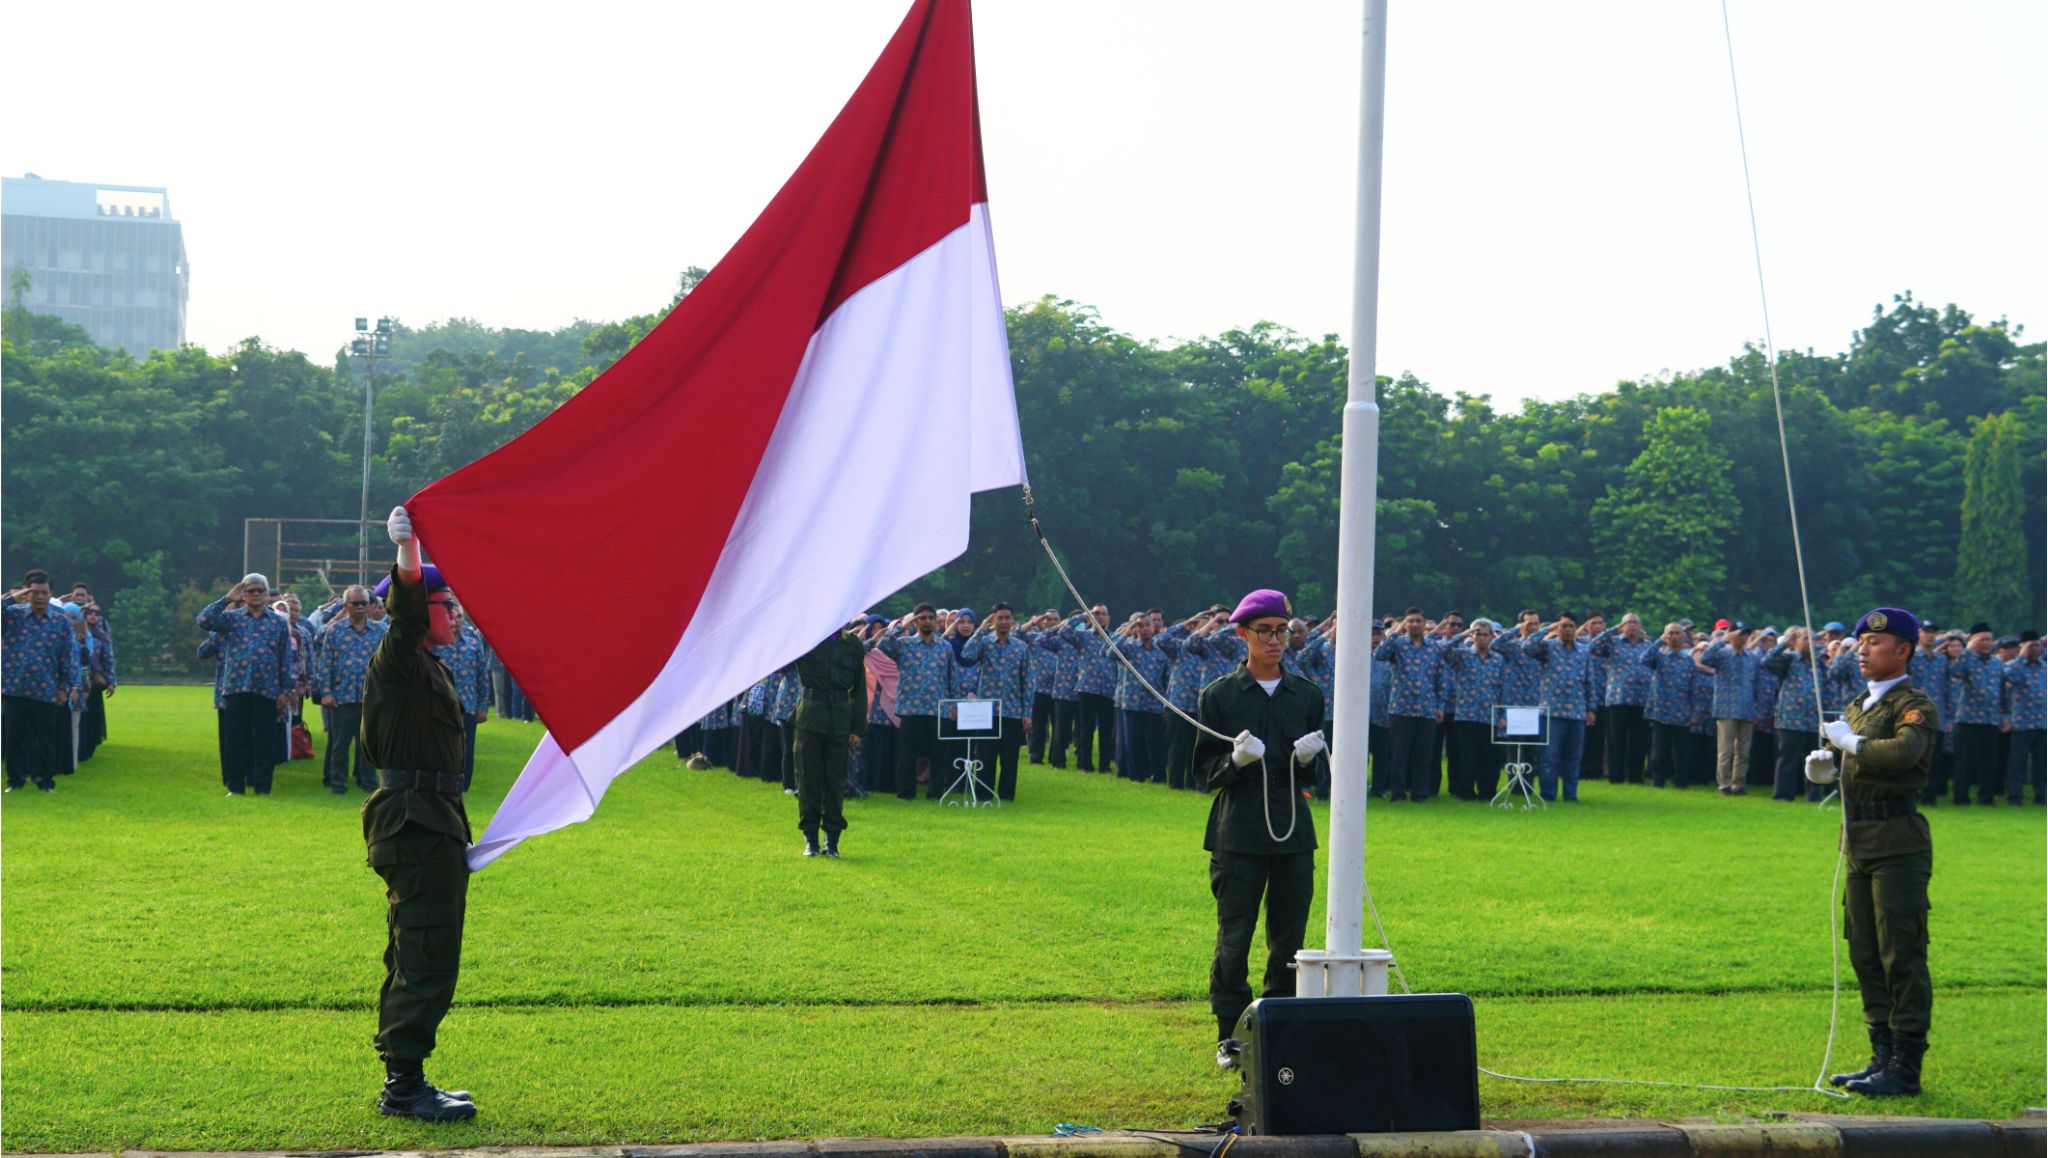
{"x": 362, "y": 325}
{"x": 383, "y": 325}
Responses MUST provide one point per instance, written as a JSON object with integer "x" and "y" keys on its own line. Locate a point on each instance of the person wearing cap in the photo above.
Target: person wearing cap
{"x": 1734, "y": 666}
{"x": 1415, "y": 707}
{"x": 830, "y": 714}
{"x": 1886, "y": 739}
{"x": 346, "y": 646}
{"x": 1977, "y": 680}
{"x": 2026, "y": 717}
{"x": 415, "y": 828}
{"x": 255, "y": 681}
{"x": 1260, "y": 837}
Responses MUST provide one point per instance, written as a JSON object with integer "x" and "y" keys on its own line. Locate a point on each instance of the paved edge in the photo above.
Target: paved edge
{"x": 1808, "y": 1134}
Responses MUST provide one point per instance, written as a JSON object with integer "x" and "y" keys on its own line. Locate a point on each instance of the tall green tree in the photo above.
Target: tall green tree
{"x": 1991, "y": 562}
{"x": 1661, "y": 533}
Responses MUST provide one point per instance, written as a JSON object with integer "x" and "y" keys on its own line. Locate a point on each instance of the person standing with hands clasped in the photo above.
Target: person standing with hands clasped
{"x": 1261, "y": 840}
{"x": 1886, "y": 738}
{"x": 415, "y": 827}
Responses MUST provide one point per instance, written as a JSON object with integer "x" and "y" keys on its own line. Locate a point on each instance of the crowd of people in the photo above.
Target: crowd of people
{"x": 58, "y": 673}
{"x": 1726, "y": 704}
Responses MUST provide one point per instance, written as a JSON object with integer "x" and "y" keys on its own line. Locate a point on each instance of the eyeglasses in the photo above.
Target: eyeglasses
{"x": 358, "y": 603}
{"x": 1270, "y": 634}
{"x": 252, "y": 591}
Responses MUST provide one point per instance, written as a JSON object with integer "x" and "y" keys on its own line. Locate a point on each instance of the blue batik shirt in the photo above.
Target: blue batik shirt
{"x": 1566, "y": 687}
{"x": 1151, "y": 658}
{"x": 1848, "y": 679}
{"x": 1002, "y": 671}
{"x": 1671, "y": 682}
{"x": 926, "y": 670}
{"x": 1628, "y": 681}
{"x": 755, "y": 701}
{"x": 1702, "y": 702}
{"x": 344, "y": 658}
{"x": 103, "y": 658}
{"x": 1734, "y": 680}
{"x": 1795, "y": 709}
{"x": 1319, "y": 664}
{"x": 1766, "y": 700}
{"x": 1979, "y": 681}
{"x": 1518, "y": 682}
{"x": 1067, "y": 674}
{"x": 788, "y": 689}
{"x": 1223, "y": 652}
{"x": 2026, "y": 695}
{"x": 1382, "y": 691}
{"x": 1475, "y": 682}
{"x": 1098, "y": 666}
{"x": 255, "y": 650}
{"x": 1186, "y": 676}
{"x": 466, "y": 669}
{"x": 1418, "y": 675}
{"x": 1045, "y": 662}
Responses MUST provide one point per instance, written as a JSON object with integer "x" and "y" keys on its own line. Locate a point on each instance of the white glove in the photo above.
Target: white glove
{"x": 1820, "y": 766}
{"x": 1246, "y": 749}
{"x": 1842, "y": 736}
{"x": 399, "y": 527}
{"x": 1308, "y": 747}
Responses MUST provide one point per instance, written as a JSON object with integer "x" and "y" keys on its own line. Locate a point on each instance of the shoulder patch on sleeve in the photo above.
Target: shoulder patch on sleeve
{"x": 1914, "y": 716}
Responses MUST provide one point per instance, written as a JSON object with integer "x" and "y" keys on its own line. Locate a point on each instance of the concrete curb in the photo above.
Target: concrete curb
{"x": 1811, "y": 1135}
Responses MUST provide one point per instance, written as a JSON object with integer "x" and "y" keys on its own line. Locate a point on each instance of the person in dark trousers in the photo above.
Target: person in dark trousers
{"x": 40, "y": 660}
{"x": 926, "y": 673}
{"x": 1886, "y": 738}
{"x": 415, "y": 828}
{"x": 1416, "y": 707}
{"x": 1261, "y": 838}
{"x": 255, "y": 681}
{"x": 831, "y": 710}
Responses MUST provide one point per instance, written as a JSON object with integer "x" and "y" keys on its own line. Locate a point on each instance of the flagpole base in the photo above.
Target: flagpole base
{"x": 1320, "y": 973}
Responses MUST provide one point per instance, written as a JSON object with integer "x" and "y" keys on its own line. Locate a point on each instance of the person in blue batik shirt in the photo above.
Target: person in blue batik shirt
{"x": 347, "y": 643}
{"x": 1184, "y": 683}
{"x": 1066, "y": 692}
{"x": 39, "y": 674}
{"x": 1670, "y": 704}
{"x": 255, "y": 681}
{"x": 1796, "y": 713}
{"x": 470, "y": 672}
{"x": 1379, "y": 732}
{"x": 1627, "y": 692}
{"x": 2026, "y": 721}
{"x": 1977, "y": 682}
{"x": 1763, "y": 745}
{"x": 1566, "y": 692}
{"x": 1045, "y": 669}
{"x": 927, "y": 672}
{"x": 1476, "y": 672}
{"x": 1001, "y": 662}
{"x": 782, "y": 699}
{"x": 1143, "y": 716}
{"x": 1929, "y": 669}
{"x": 1096, "y": 719}
{"x": 1415, "y": 707}
{"x": 1734, "y": 666}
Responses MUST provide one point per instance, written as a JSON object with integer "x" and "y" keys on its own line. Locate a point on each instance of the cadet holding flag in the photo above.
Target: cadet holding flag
{"x": 1887, "y": 738}
{"x": 415, "y": 828}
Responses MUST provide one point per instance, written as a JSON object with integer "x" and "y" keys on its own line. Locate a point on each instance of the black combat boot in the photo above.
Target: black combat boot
{"x": 1880, "y": 1057}
{"x": 1902, "y": 1077}
{"x": 832, "y": 845}
{"x": 407, "y": 1094}
{"x": 810, "y": 844}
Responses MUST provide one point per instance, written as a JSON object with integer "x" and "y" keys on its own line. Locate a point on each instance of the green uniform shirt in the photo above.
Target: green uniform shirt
{"x": 1247, "y": 796}
{"x": 1899, "y": 733}
{"x": 412, "y": 720}
{"x": 834, "y": 676}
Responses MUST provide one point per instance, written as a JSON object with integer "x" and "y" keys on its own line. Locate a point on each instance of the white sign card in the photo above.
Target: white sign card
{"x": 976, "y": 715}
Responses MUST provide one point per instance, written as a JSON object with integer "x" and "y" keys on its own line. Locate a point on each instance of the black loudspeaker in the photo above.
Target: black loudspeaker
{"x": 1358, "y": 1065}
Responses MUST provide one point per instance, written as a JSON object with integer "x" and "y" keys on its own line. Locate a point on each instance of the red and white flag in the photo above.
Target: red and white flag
{"x": 796, "y": 440}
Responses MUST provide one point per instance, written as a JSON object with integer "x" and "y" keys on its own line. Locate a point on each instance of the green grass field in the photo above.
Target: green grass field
{"x": 186, "y": 971}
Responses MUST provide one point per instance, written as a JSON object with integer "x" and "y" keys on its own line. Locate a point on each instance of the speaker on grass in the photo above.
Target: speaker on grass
{"x": 1358, "y": 1065}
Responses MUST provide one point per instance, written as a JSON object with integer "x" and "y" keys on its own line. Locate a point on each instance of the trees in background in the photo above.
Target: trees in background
{"x": 1173, "y": 475}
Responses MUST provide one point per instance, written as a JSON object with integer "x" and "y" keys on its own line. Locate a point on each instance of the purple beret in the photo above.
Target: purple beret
{"x": 1889, "y": 621}
{"x": 1260, "y": 604}
{"x": 428, "y": 571}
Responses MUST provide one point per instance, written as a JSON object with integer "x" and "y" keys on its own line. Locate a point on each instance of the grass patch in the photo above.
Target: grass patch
{"x": 180, "y": 967}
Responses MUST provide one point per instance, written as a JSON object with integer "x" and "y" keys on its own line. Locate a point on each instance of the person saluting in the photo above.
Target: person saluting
{"x": 1887, "y": 738}
{"x": 1261, "y": 839}
{"x": 415, "y": 828}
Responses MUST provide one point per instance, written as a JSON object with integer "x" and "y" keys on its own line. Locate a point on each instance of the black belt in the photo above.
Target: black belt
{"x": 446, "y": 783}
{"x": 826, "y": 695}
{"x": 1878, "y": 809}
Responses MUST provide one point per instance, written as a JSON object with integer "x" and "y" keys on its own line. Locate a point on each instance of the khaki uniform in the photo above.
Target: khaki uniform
{"x": 417, "y": 840}
{"x": 1884, "y": 900}
{"x": 833, "y": 705}
{"x": 1246, "y": 863}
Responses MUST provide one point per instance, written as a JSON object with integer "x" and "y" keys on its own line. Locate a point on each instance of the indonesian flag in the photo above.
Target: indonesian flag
{"x": 796, "y": 440}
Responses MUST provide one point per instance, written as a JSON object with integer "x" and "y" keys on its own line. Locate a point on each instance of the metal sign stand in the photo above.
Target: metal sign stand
{"x": 1520, "y": 772}
{"x": 975, "y": 791}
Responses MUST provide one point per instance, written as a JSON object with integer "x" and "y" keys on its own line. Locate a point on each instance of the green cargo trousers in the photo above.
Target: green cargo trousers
{"x": 1287, "y": 884}
{"x": 821, "y": 761}
{"x": 1884, "y": 919}
{"x": 426, "y": 881}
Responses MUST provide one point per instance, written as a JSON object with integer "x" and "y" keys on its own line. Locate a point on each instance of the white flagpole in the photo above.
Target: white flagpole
{"x": 1345, "y": 967}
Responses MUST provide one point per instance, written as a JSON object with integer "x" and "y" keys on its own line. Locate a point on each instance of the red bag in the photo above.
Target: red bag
{"x": 302, "y": 741}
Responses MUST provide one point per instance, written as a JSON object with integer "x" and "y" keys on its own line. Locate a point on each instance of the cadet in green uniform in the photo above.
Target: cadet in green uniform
{"x": 1261, "y": 840}
{"x": 1887, "y": 738}
{"x": 830, "y": 714}
{"x": 415, "y": 828}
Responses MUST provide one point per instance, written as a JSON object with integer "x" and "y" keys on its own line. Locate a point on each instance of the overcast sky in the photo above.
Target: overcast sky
{"x": 1564, "y": 203}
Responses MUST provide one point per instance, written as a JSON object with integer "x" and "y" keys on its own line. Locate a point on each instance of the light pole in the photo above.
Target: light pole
{"x": 369, "y": 346}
